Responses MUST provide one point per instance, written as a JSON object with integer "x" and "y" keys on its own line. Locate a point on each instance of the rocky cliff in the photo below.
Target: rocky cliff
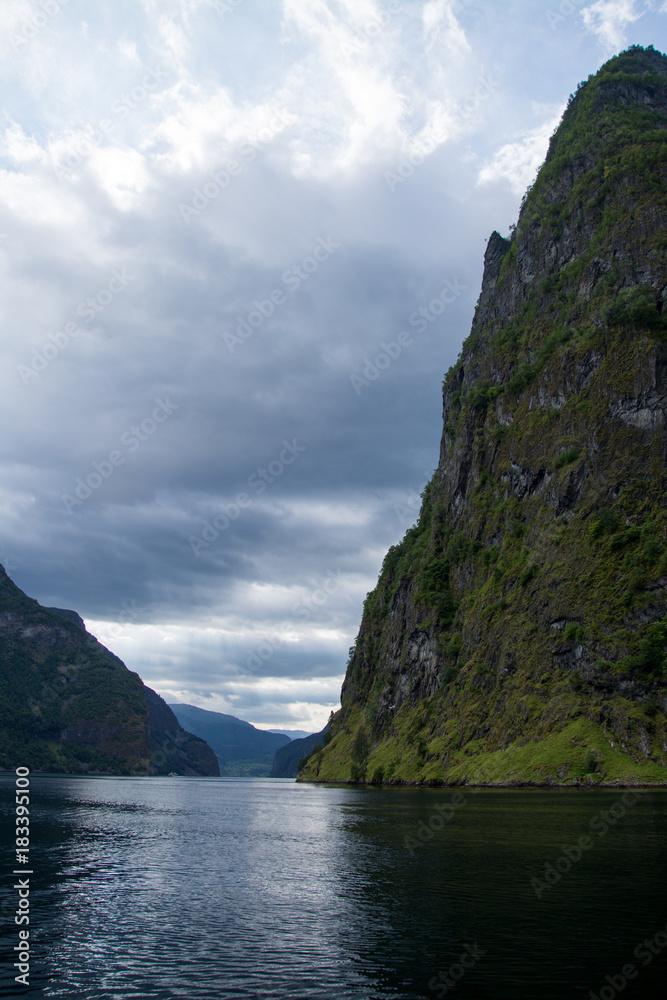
{"x": 67, "y": 704}
{"x": 518, "y": 634}
{"x": 287, "y": 759}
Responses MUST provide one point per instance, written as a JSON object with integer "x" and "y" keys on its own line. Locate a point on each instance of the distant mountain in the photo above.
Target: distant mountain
{"x": 241, "y": 749}
{"x": 287, "y": 758}
{"x": 294, "y": 734}
{"x": 68, "y": 704}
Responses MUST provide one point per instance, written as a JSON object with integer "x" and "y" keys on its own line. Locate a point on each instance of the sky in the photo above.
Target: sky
{"x": 241, "y": 242}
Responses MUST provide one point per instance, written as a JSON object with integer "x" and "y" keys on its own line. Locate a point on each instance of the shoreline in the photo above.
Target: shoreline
{"x": 434, "y": 783}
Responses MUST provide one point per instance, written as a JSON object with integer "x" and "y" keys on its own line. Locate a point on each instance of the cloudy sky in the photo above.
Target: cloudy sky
{"x": 241, "y": 243}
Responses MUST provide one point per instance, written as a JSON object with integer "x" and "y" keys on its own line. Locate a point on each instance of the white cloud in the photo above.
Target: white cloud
{"x": 269, "y": 701}
{"x": 348, "y": 100}
{"x": 122, "y": 174}
{"x": 518, "y": 162}
{"x": 357, "y": 93}
{"x": 162, "y": 655}
{"x": 440, "y": 24}
{"x": 608, "y": 19}
{"x": 360, "y": 83}
{"x": 21, "y": 148}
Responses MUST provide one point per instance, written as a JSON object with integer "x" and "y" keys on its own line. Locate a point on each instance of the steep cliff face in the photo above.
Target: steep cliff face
{"x": 518, "y": 632}
{"x": 68, "y": 704}
{"x": 173, "y": 748}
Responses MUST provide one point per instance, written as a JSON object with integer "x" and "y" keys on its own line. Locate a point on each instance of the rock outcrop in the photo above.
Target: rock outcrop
{"x": 518, "y": 634}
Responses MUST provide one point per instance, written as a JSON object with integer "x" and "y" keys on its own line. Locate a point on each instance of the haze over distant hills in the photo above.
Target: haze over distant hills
{"x": 69, "y": 704}
{"x": 294, "y": 734}
{"x": 241, "y": 749}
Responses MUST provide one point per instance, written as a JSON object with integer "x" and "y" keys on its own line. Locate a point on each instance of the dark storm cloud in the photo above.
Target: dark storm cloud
{"x": 227, "y": 407}
{"x": 249, "y": 287}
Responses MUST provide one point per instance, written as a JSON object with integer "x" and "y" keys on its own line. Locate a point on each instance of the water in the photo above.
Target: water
{"x": 255, "y": 888}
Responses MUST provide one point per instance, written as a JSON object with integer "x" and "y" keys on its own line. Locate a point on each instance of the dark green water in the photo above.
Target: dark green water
{"x": 215, "y": 888}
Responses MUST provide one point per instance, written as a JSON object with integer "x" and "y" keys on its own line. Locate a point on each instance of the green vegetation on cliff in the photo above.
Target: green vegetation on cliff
{"x": 67, "y": 704}
{"x": 518, "y": 633}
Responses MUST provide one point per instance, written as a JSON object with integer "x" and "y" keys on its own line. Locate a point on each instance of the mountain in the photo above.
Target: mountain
{"x": 518, "y": 633}
{"x": 288, "y": 758}
{"x": 240, "y": 748}
{"x": 67, "y": 704}
{"x": 294, "y": 734}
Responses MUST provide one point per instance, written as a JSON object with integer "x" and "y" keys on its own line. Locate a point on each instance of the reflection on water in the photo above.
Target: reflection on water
{"x": 215, "y": 888}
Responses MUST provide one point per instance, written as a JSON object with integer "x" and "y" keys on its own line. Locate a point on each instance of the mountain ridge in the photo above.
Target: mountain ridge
{"x": 517, "y": 634}
{"x": 240, "y": 748}
{"x": 70, "y": 705}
